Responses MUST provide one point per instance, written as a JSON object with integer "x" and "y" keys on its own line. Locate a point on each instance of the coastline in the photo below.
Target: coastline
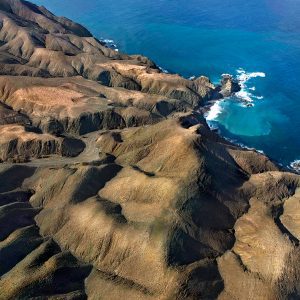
{"x": 245, "y": 50}
{"x": 113, "y": 186}
{"x": 245, "y": 96}
{"x": 293, "y": 166}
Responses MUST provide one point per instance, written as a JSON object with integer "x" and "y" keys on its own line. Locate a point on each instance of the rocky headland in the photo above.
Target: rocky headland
{"x": 112, "y": 186}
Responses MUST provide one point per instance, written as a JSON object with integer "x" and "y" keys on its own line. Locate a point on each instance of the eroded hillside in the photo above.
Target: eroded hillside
{"x": 112, "y": 186}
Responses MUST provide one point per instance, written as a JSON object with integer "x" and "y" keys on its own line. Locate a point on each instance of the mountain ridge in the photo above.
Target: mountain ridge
{"x": 113, "y": 186}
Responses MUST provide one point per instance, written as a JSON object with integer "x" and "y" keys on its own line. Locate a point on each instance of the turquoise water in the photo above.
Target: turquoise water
{"x": 214, "y": 37}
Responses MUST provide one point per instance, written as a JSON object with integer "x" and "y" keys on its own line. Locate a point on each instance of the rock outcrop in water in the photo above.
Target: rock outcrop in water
{"x": 112, "y": 186}
{"x": 229, "y": 85}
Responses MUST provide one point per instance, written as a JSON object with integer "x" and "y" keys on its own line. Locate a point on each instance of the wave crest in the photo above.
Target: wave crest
{"x": 243, "y": 77}
{"x": 295, "y": 165}
{"x": 214, "y": 111}
{"x": 163, "y": 70}
{"x": 110, "y": 44}
{"x": 244, "y": 95}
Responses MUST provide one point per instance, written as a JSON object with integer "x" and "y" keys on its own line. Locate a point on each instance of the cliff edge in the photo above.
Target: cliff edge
{"x": 112, "y": 186}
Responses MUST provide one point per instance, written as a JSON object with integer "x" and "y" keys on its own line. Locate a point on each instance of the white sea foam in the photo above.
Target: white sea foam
{"x": 107, "y": 41}
{"x": 110, "y": 44}
{"x": 243, "y": 77}
{"x": 163, "y": 70}
{"x": 235, "y": 142}
{"x": 295, "y": 165}
{"x": 245, "y": 95}
{"x": 260, "y": 151}
{"x": 215, "y": 111}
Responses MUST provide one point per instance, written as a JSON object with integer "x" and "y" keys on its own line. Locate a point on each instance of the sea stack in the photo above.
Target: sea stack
{"x": 112, "y": 185}
{"x": 229, "y": 85}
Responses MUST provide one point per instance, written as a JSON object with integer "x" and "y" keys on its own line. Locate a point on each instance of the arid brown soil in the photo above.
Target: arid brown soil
{"x": 112, "y": 186}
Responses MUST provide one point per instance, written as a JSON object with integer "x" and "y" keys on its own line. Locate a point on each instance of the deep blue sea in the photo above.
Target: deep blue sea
{"x": 257, "y": 40}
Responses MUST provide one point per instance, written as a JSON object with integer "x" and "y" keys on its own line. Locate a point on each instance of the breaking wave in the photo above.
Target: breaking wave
{"x": 110, "y": 44}
{"x": 295, "y": 165}
{"x": 163, "y": 70}
{"x": 245, "y": 93}
{"x": 214, "y": 111}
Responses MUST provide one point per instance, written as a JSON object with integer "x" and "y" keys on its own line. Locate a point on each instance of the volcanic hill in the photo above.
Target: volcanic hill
{"x": 112, "y": 185}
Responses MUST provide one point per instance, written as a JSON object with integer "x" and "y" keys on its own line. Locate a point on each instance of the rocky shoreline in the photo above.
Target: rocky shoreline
{"x": 113, "y": 186}
{"x": 296, "y": 165}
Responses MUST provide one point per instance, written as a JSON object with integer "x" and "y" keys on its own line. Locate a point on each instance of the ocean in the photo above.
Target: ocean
{"x": 257, "y": 41}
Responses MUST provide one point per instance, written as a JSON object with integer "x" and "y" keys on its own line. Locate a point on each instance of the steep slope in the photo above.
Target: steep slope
{"x": 154, "y": 205}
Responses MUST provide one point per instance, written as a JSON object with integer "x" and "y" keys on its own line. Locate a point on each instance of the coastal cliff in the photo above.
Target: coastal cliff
{"x": 112, "y": 185}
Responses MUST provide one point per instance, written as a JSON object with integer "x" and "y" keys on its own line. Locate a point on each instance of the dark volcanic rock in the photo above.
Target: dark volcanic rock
{"x": 17, "y": 143}
{"x": 72, "y": 147}
{"x": 156, "y": 206}
{"x": 229, "y": 85}
{"x": 8, "y": 116}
